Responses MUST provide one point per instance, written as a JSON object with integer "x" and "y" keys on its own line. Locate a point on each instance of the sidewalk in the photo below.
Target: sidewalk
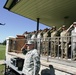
{"x": 61, "y": 67}
{"x": 1, "y": 62}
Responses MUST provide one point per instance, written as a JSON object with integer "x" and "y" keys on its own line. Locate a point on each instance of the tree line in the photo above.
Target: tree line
{"x": 3, "y": 43}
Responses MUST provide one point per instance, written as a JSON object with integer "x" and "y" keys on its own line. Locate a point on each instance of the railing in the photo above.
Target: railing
{"x": 57, "y": 47}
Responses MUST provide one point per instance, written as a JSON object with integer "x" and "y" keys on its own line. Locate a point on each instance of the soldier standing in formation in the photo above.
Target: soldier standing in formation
{"x": 64, "y": 40}
{"x": 54, "y": 41}
{"x": 45, "y": 43}
{"x": 39, "y": 41}
{"x": 73, "y": 40}
{"x": 33, "y": 36}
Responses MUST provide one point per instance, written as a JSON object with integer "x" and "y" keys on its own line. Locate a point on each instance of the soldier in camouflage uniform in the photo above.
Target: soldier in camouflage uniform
{"x": 64, "y": 39}
{"x": 73, "y": 40}
{"x": 45, "y": 43}
{"x": 39, "y": 40}
{"x": 32, "y": 60}
{"x": 54, "y": 41}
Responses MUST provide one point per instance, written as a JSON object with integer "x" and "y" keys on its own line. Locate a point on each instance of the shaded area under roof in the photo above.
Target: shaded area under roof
{"x": 50, "y": 12}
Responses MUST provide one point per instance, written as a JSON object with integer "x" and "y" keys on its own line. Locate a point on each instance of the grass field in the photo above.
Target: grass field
{"x": 2, "y": 57}
{"x": 2, "y": 69}
{"x": 2, "y": 52}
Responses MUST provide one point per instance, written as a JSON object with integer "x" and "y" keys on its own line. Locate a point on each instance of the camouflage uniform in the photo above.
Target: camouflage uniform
{"x": 64, "y": 39}
{"x": 39, "y": 41}
{"x": 55, "y": 40}
{"x": 31, "y": 63}
{"x": 53, "y": 43}
{"x": 45, "y": 43}
{"x": 73, "y": 41}
{"x": 33, "y": 37}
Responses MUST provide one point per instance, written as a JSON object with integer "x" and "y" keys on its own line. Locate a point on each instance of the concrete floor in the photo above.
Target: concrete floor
{"x": 54, "y": 71}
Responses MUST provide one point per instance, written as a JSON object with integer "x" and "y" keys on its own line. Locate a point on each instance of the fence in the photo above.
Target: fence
{"x": 56, "y": 47}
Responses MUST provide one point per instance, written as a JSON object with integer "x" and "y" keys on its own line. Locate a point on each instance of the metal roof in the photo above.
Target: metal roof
{"x": 50, "y": 12}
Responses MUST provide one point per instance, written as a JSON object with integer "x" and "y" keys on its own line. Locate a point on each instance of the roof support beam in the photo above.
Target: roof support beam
{"x": 38, "y": 23}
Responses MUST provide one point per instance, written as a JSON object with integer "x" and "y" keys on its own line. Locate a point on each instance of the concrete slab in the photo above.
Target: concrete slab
{"x": 1, "y": 62}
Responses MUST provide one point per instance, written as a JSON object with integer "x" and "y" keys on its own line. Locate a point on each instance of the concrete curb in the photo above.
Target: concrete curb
{"x": 1, "y": 62}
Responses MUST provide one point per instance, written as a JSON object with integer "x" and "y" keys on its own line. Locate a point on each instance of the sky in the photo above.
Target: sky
{"x": 15, "y": 24}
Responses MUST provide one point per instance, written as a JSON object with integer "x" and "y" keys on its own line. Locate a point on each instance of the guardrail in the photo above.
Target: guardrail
{"x": 56, "y": 47}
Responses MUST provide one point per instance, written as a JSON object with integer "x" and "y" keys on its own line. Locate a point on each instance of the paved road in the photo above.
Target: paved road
{"x": 1, "y": 62}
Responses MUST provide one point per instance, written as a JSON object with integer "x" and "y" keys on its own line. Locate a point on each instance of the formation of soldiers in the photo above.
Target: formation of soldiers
{"x": 55, "y": 42}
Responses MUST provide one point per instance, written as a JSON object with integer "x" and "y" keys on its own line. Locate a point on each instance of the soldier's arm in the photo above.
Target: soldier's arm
{"x": 59, "y": 29}
{"x": 69, "y": 28}
{"x": 36, "y": 59}
{"x": 48, "y": 30}
{"x": 51, "y": 30}
{"x": 24, "y": 47}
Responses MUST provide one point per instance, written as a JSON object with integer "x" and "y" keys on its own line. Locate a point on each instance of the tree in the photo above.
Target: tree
{"x": 4, "y": 42}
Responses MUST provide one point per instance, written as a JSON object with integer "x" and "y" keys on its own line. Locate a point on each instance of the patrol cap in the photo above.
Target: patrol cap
{"x": 74, "y": 23}
{"x": 53, "y": 27}
{"x": 30, "y": 42}
{"x": 63, "y": 26}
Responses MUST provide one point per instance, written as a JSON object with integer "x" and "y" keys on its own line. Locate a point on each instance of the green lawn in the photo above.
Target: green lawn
{"x": 2, "y": 69}
{"x": 2, "y": 52}
{"x": 2, "y": 57}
